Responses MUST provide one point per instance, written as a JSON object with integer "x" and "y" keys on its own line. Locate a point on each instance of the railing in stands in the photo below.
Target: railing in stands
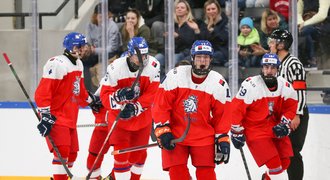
{"x": 41, "y": 14}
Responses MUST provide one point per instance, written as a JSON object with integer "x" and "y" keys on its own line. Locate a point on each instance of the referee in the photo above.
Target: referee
{"x": 293, "y": 71}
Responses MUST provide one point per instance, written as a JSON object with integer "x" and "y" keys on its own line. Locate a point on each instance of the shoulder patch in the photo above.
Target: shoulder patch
{"x": 248, "y": 79}
{"x": 287, "y": 84}
{"x": 154, "y": 64}
{"x": 51, "y": 59}
{"x": 222, "y": 82}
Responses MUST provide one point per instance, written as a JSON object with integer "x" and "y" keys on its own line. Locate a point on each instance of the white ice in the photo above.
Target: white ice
{"x": 23, "y": 152}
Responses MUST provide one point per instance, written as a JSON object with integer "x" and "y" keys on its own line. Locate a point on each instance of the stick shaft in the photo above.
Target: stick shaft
{"x": 245, "y": 164}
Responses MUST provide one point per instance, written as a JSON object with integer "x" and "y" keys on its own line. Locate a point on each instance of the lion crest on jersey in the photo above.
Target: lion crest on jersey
{"x": 76, "y": 86}
{"x": 271, "y": 107}
{"x": 190, "y": 104}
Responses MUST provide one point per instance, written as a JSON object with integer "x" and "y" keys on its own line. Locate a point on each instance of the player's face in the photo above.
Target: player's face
{"x": 135, "y": 58}
{"x": 269, "y": 70}
{"x": 202, "y": 61}
{"x": 85, "y": 51}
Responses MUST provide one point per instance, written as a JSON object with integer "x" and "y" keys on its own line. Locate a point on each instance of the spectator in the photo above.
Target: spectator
{"x": 270, "y": 20}
{"x": 186, "y": 31}
{"x": 134, "y": 26}
{"x": 94, "y": 37}
{"x": 280, "y": 6}
{"x": 311, "y": 14}
{"x": 257, "y": 3}
{"x": 249, "y": 43}
{"x": 217, "y": 31}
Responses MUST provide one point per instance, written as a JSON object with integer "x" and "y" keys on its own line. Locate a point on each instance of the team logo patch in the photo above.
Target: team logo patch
{"x": 271, "y": 107}
{"x": 76, "y": 86}
{"x": 50, "y": 71}
{"x": 190, "y": 104}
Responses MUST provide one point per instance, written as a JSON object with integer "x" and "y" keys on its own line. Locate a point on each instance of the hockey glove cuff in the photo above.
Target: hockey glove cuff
{"x": 130, "y": 110}
{"x": 237, "y": 136}
{"x": 46, "y": 123}
{"x": 283, "y": 128}
{"x": 124, "y": 94}
{"x": 164, "y": 136}
{"x": 222, "y": 149}
{"x": 95, "y": 103}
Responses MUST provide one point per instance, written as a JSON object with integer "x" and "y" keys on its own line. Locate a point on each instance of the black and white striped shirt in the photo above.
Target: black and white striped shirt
{"x": 293, "y": 71}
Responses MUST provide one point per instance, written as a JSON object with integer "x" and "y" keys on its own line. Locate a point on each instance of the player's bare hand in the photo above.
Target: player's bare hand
{"x": 295, "y": 122}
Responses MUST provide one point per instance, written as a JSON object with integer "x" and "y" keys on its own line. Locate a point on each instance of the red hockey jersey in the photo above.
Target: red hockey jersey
{"x": 119, "y": 76}
{"x": 257, "y": 109}
{"x": 207, "y": 104}
{"x": 62, "y": 89}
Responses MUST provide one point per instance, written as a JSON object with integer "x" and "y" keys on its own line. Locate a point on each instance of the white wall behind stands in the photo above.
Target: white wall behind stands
{"x": 23, "y": 151}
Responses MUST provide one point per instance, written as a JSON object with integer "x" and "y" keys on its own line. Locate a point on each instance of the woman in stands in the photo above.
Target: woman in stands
{"x": 217, "y": 31}
{"x": 270, "y": 20}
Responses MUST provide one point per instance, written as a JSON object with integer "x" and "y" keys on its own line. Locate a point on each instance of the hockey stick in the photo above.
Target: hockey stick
{"x": 245, "y": 163}
{"x": 50, "y": 139}
{"x": 137, "y": 148}
{"x": 92, "y": 125}
{"x": 141, "y": 66}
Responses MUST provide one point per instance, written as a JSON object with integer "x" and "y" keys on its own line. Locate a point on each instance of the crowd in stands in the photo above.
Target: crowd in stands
{"x": 207, "y": 20}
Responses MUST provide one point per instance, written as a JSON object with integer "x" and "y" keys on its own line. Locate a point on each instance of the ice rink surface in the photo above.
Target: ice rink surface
{"x": 23, "y": 152}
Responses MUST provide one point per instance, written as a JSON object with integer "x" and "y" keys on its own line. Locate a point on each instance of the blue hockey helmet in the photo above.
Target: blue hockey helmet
{"x": 139, "y": 42}
{"x": 270, "y": 59}
{"x": 74, "y": 39}
{"x": 201, "y": 47}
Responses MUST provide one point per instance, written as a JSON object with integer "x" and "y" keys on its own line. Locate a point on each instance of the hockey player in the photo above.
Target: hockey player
{"x": 96, "y": 141}
{"x": 133, "y": 127}
{"x": 293, "y": 71}
{"x": 197, "y": 93}
{"x": 58, "y": 96}
{"x": 261, "y": 114}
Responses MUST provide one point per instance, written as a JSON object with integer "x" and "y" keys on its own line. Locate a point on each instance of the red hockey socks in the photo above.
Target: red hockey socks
{"x": 205, "y": 173}
{"x": 59, "y": 172}
{"x": 179, "y": 172}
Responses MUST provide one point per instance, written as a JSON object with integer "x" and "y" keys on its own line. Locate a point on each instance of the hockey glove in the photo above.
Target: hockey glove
{"x": 222, "y": 149}
{"x": 124, "y": 94}
{"x": 96, "y": 103}
{"x": 131, "y": 110}
{"x": 283, "y": 128}
{"x": 164, "y": 136}
{"x": 46, "y": 123}
{"x": 237, "y": 136}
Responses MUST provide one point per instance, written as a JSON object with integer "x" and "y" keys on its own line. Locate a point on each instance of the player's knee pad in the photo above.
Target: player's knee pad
{"x": 138, "y": 157}
{"x": 285, "y": 163}
{"x": 72, "y": 158}
{"x": 274, "y": 165}
{"x": 179, "y": 172}
{"x": 205, "y": 172}
{"x": 91, "y": 159}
